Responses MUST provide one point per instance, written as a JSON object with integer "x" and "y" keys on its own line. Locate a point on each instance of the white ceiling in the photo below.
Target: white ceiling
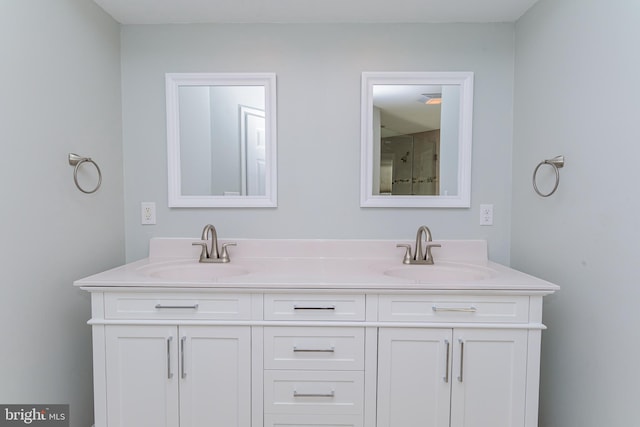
{"x": 314, "y": 11}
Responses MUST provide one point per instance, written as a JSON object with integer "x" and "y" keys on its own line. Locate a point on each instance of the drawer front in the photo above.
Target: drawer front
{"x": 441, "y": 308}
{"x": 177, "y": 306}
{"x": 314, "y": 307}
{"x": 313, "y": 392}
{"x": 314, "y": 348}
{"x": 284, "y": 420}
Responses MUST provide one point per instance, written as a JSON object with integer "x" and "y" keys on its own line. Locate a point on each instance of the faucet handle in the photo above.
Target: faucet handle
{"x": 224, "y": 254}
{"x": 407, "y": 253}
{"x": 204, "y": 254}
{"x": 427, "y": 256}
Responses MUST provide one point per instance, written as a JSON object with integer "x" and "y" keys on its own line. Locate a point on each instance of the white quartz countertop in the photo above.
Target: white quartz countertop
{"x": 317, "y": 264}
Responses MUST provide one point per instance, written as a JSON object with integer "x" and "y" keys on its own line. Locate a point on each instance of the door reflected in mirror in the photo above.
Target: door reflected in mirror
{"x": 221, "y": 140}
{"x": 416, "y": 139}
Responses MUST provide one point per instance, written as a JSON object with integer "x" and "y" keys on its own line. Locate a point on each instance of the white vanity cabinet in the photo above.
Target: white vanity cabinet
{"x": 315, "y": 358}
{"x": 161, "y": 363}
{"x": 177, "y": 376}
{"x": 451, "y": 377}
{"x": 463, "y": 362}
{"x": 315, "y": 338}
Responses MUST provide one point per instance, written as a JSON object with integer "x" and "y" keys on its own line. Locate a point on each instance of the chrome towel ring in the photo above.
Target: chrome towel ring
{"x": 556, "y": 163}
{"x": 77, "y": 161}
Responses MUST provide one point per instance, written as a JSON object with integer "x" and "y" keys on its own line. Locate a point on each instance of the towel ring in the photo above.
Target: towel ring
{"x": 77, "y": 161}
{"x": 556, "y": 163}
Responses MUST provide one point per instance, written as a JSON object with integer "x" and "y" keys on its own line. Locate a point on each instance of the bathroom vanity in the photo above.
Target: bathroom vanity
{"x": 324, "y": 333}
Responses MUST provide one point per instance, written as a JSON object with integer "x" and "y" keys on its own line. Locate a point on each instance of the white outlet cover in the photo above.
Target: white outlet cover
{"x": 486, "y": 214}
{"x": 147, "y": 213}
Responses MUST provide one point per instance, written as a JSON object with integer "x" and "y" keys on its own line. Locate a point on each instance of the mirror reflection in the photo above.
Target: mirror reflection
{"x": 413, "y": 120}
{"x": 221, "y": 140}
{"x": 222, "y": 130}
{"x": 416, "y": 139}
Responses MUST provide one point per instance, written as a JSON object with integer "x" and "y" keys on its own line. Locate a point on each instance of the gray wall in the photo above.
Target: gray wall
{"x": 318, "y": 70}
{"x": 60, "y": 79}
{"x": 576, "y": 93}
{"x": 575, "y": 87}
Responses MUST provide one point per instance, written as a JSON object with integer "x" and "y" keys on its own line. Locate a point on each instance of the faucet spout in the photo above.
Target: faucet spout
{"x": 211, "y": 230}
{"x": 419, "y": 251}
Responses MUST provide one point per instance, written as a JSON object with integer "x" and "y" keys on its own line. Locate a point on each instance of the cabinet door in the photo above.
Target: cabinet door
{"x": 414, "y": 377}
{"x": 215, "y": 376}
{"x": 489, "y": 370}
{"x": 142, "y": 384}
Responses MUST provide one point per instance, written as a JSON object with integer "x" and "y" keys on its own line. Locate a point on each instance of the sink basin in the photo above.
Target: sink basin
{"x": 193, "y": 271}
{"x": 441, "y": 273}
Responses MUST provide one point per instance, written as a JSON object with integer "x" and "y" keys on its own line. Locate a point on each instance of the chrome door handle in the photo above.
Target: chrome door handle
{"x": 446, "y": 362}
{"x": 183, "y": 371}
{"x": 460, "y": 378}
{"x": 169, "y": 373}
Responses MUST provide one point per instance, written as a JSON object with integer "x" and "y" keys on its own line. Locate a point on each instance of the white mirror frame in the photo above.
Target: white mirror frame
{"x": 463, "y": 197}
{"x": 173, "y": 83}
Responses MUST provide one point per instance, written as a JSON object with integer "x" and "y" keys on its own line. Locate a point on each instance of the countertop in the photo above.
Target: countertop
{"x": 460, "y": 265}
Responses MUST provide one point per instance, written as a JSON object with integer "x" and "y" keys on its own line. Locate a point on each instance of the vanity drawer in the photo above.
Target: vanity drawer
{"x": 453, "y": 308}
{"x": 313, "y": 392}
{"x": 177, "y": 306}
{"x": 314, "y": 348}
{"x": 314, "y": 307}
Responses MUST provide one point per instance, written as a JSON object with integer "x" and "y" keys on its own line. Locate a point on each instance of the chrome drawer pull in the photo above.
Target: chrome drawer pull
{"x": 303, "y": 307}
{"x": 331, "y": 349}
{"x": 331, "y": 394}
{"x": 471, "y": 309}
{"x": 177, "y": 307}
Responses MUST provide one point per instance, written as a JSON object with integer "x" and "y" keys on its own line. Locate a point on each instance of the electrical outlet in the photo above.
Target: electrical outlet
{"x": 148, "y": 213}
{"x": 486, "y": 214}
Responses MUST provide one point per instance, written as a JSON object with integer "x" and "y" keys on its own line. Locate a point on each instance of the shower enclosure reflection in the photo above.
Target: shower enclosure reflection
{"x": 409, "y": 164}
{"x": 410, "y": 121}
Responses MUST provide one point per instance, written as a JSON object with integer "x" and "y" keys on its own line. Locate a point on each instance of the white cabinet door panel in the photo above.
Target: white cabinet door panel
{"x": 142, "y": 383}
{"x": 215, "y": 376}
{"x": 414, "y": 377}
{"x": 490, "y": 370}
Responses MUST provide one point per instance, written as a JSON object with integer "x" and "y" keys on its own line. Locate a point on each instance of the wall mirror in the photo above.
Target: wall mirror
{"x": 416, "y": 139}
{"x": 221, "y": 139}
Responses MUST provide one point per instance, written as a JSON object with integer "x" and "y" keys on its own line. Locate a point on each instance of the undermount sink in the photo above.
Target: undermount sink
{"x": 441, "y": 273}
{"x": 193, "y": 271}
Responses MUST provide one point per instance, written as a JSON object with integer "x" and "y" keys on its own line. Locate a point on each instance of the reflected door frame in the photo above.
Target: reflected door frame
{"x": 253, "y": 150}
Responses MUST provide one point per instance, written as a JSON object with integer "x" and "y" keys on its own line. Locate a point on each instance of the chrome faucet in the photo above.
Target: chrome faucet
{"x": 212, "y": 255}
{"x": 422, "y": 254}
